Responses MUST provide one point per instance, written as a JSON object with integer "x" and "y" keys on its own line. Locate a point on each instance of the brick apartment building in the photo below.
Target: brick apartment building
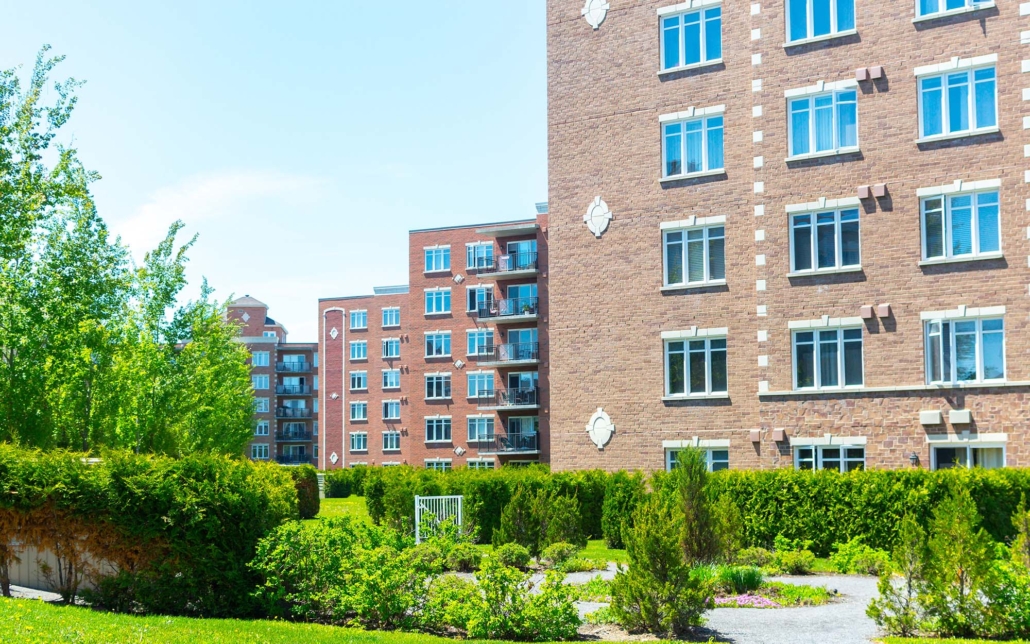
{"x": 449, "y": 370}
{"x": 791, "y": 233}
{"x": 285, "y": 387}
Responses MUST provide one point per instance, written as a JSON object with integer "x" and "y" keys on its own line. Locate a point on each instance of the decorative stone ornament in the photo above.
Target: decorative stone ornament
{"x": 459, "y": 450}
{"x": 459, "y": 278}
{"x": 245, "y": 317}
{"x": 334, "y": 333}
{"x": 600, "y": 428}
{"x": 333, "y": 458}
{"x": 595, "y": 11}
{"x": 458, "y": 364}
{"x": 335, "y": 396}
{"x": 598, "y": 217}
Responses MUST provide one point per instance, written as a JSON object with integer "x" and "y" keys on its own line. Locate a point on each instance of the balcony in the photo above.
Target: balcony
{"x": 293, "y": 459}
{"x": 292, "y": 367}
{"x": 511, "y": 266}
{"x": 512, "y": 354}
{"x": 293, "y": 390}
{"x": 511, "y": 310}
{"x": 293, "y": 436}
{"x": 512, "y": 399}
{"x": 292, "y": 412}
{"x": 509, "y": 444}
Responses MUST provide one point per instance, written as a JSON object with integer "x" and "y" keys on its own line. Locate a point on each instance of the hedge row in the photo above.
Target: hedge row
{"x": 823, "y": 507}
{"x": 180, "y": 532}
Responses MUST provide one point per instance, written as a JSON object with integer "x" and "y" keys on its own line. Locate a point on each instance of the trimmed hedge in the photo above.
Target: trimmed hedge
{"x": 305, "y": 479}
{"x": 181, "y": 531}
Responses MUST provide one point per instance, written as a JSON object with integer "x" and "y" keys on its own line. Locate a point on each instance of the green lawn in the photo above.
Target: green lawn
{"x": 38, "y": 622}
{"x": 932, "y": 640}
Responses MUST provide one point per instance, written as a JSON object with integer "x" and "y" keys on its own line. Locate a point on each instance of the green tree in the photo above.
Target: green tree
{"x": 897, "y": 610}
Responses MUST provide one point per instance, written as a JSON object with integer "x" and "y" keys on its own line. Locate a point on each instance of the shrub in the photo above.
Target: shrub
{"x": 305, "y": 479}
{"x": 1010, "y": 601}
{"x": 358, "y": 474}
{"x": 450, "y": 603}
{"x": 559, "y": 520}
{"x": 519, "y": 521}
{"x": 740, "y": 579}
{"x": 795, "y": 594}
{"x": 897, "y": 611}
{"x": 557, "y": 554}
{"x": 464, "y": 557}
{"x": 729, "y": 529}
{"x": 551, "y": 614}
{"x": 389, "y": 588}
{"x": 577, "y": 564}
{"x": 759, "y": 557}
{"x": 512, "y": 555}
{"x": 505, "y": 608}
{"x": 855, "y": 557}
{"x": 339, "y": 484}
{"x": 690, "y": 481}
{"x": 792, "y": 556}
{"x": 623, "y": 493}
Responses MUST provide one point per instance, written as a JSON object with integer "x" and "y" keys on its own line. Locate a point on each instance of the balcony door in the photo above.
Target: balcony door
{"x": 296, "y": 451}
{"x": 523, "y": 254}
{"x": 523, "y": 344}
{"x": 523, "y": 381}
{"x": 294, "y": 403}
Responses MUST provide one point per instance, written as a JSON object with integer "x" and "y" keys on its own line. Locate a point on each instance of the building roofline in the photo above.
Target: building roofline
{"x": 481, "y": 225}
{"x": 370, "y": 295}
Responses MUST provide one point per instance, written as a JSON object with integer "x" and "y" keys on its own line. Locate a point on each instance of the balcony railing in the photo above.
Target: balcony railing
{"x": 510, "y": 307}
{"x": 293, "y": 459}
{"x": 293, "y": 390}
{"x": 511, "y": 352}
{"x": 293, "y": 436}
{"x": 511, "y": 263}
{"x": 509, "y": 444}
{"x": 514, "y": 398}
{"x": 292, "y": 367}
{"x": 292, "y": 412}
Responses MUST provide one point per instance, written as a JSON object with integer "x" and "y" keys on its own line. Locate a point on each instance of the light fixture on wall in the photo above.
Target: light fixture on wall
{"x": 913, "y": 458}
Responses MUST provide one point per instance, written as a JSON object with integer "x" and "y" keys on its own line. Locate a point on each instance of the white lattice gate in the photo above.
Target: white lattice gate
{"x": 440, "y": 507}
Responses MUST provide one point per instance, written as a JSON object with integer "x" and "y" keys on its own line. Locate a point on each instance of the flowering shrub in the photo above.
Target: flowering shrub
{"x": 745, "y": 601}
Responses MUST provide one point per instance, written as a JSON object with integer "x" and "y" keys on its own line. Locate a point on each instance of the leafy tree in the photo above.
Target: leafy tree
{"x": 897, "y": 610}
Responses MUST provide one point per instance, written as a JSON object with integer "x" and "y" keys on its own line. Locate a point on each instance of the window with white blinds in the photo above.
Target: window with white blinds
{"x": 695, "y": 256}
{"x": 961, "y": 225}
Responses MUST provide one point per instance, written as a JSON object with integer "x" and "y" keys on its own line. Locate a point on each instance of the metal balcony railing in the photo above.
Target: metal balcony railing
{"x": 292, "y": 367}
{"x": 511, "y": 352}
{"x": 293, "y": 390}
{"x": 293, "y": 459}
{"x": 292, "y": 412}
{"x": 516, "y": 398}
{"x": 509, "y": 307}
{"x": 512, "y": 263}
{"x": 293, "y": 436}
{"x": 510, "y": 443}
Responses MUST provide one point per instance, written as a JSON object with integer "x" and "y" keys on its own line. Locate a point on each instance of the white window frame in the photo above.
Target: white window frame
{"x": 389, "y": 405}
{"x": 472, "y": 294}
{"x": 359, "y": 378}
{"x": 359, "y": 319}
{"x": 390, "y": 314}
{"x": 261, "y": 429}
{"x": 477, "y": 436}
{"x": 441, "y": 381}
{"x": 388, "y": 345}
{"x": 393, "y": 372}
{"x": 359, "y": 410}
{"x": 946, "y": 214}
{"x": 839, "y": 265}
{"x": 391, "y": 441}
{"x": 359, "y": 350}
{"x": 439, "y": 464}
{"x": 435, "y": 335}
{"x": 440, "y": 423}
{"x": 481, "y": 464}
{"x": 817, "y": 455}
{"x": 978, "y": 343}
{"x": 968, "y": 6}
{"x": 942, "y": 71}
{"x": 474, "y": 261}
{"x": 686, "y": 339}
{"x": 269, "y": 334}
{"x": 259, "y": 452}
{"x": 969, "y": 446}
{"x": 259, "y": 359}
{"x": 706, "y": 243}
{"x": 261, "y": 405}
{"x": 704, "y": 115}
{"x": 837, "y": 149}
{"x": 438, "y": 259}
{"x": 709, "y": 453}
{"x": 487, "y": 334}
{"x": 438, "y": 297}
{"x": 480, "y": 375}
{"x": 835, "y": 31}
{"x": 817, "y": 355}
{"x": 700, "y": 7}
{"x": 259, "y": 381}
{"x": 359, "y": 441}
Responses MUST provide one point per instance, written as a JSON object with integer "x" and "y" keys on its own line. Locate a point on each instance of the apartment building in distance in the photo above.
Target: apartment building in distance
{"x": 285, "y": 380}
{"x": 790, "y": 233}
{"x": 449, "y": 370}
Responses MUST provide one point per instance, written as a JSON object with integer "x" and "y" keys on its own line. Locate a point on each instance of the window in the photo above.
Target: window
{"x": 826, "y": 359}
{"x": 438, "y": 344}
{"x": 692, "y": 147}
{"x": 438, "y": 385}
{"x": 717, "y": 459}
{"x": 438, "y": 259}
{"x": 438, "y": 464}
{"x": 392, "y": 348}
{"x": 438, "y": 301}
{"x": 965, "y": 350}
{"x": 261, "y": 429}
{"x": 479, "y": 255}
{"x": 269, "y": 334}
{"x": 259, "y": 382}
{"x": 827, "y": 123}
{"x": 438, "y": 430}
{"x": 391, "y": 410}
{"x": 261, "y": 405}
{"x": 391, "y": 378}
{"x": 391, "y": 317}
{"x": 818, "y": 18}
{"x": 359, "y": 411}
{"x": 824, "y": 241}
{"x": 963, "y": 225}
{"x": 359, "y": 442}
{"x": 958, "y": 102}
{"x": 358, "y": 380}
{"x": 479, "y": 298}
{"x": 968, "y": 456}
{"x": 359, "y": 350}
{"x": 359, "y": 319}
{"x": 695, "y": 367}
{"x": 481, "y": 384}
{"x": 259, "y": 452}
{"x": 480, "y": 342}
{"x": 931, "y": 7}
{"x": 695, "y": 256}
{"x": 391, "y": 441}
{"x": 481, "y": 428}
{"x": 843, "y": 458}
{"x": 314, "y": 428}
{"x": 692, "y": 38}
{"x": 481, "y": 464}
{"x": 297, "y": 430}
{"x": 259, "y": 359}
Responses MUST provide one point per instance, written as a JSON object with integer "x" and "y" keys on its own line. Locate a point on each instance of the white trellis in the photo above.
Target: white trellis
{"x": 441, "y": 507}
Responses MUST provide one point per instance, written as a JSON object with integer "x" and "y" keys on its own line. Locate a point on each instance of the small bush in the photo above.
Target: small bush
{"x": 464, "y": 557}
{"x": 519, "y": 522}
{"x": 557, "y": 554}
{"x": 576, "y": 564}
{"x": 729, "y": 528}
{"x": 795, "y": 594}
{"x": 427, "y": 555}
{"x": 740, "y": 579}
{"x": 897, "y": 611}
{"x": 305, "y": 479}
{"x": 338, "y": 484}
{"x": 595, "y": 590}
{"x": 855, "y": 557}
{"x": 623, "y": 493}
{"x": 450, "y": 603}
{"x": 513, "y": 555}
{"x": 759, "y": 557}
{"x": 559, "y": 517}
{"x": 551, "y": 614}
{"x": 792, "y": 556}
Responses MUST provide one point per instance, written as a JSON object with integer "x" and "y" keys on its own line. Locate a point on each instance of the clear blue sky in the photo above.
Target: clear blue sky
{"x": 300, "y": 140}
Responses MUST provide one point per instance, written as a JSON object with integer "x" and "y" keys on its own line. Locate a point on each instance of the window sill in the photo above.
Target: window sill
{"x": 442, "y": 271}
{"x": 807, "y": 41}
{"x": 953, "y": 12}
{"x": 439, "y": 356}
{"x": 447, "y": 398}
{"x": 391, "y": 357}
{"x": 392, "y": 420}
{"x": 392, "y": 326}
{"x": 397, "y": 388}
{"x": 958, "y": 135}
{"x": 959, "y": 260}
{"x": 693, "y": 175}
{"x": 359, "y": 420}
{"x": 359, "y": 328}
{"x": 359, "y": 359}
{"x": 391, "y": 449}
{"x": 899, "y": 389}
{"x": 684, "y": 68}
{"x": 693, "y": 285}
{"x": 358, "y": 391}
{"x": 437, "y": 314}
{"x": 719, "y": 396}
{"x": 825, "y": 153}
{"x": 443, "y": 442}
{"x": 825, "y": 271}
